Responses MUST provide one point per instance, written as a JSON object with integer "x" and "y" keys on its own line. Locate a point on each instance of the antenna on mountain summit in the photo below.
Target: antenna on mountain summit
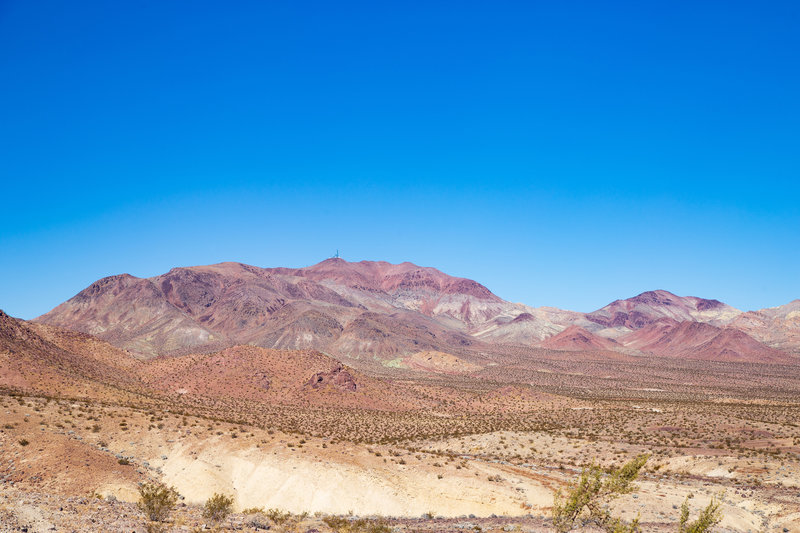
{"x": 337, "y": 254}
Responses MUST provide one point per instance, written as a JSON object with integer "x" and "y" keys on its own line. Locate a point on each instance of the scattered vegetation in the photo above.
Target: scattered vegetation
{"x": 359, "y": 525}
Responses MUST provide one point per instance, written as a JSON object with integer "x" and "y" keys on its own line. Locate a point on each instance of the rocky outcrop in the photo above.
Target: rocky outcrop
{"x": 339, "y": 378}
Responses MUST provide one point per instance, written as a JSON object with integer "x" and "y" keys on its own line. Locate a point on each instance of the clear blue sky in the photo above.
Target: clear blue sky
{"x": 560, "y": 153}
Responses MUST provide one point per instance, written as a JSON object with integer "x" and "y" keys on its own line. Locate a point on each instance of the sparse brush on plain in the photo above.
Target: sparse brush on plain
{"x": 217, "y": 508}
{"x": 157, "y": 501}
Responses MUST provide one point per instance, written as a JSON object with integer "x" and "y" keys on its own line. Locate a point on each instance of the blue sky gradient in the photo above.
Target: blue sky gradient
{"x": 561, "y": 153}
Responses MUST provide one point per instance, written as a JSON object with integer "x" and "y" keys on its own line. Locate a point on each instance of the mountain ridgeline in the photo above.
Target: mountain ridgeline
{"x": 383, "y": 312}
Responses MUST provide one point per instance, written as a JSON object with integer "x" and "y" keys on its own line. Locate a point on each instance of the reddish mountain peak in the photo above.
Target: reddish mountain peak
{"x": 391, "y": 278}
{"x": 703, "y": 304}
{"x": 666, "y": 298}
{"x": 575, "y": 338}
{"x": 651, "y": 306}
{"x": 111, "y": 284}
{"x": 657, "y": 297}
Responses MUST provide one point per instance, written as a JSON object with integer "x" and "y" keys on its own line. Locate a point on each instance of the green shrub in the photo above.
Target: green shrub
{"x": 584, "y": 503}
{"x": 336, "y": 523}
{"x": 278, "y": 516}
{"x": 217, "y": 508}
{"x": 709, "y": 517}
{"x": 156, "y": 501}
{"x": 361, "y": 525}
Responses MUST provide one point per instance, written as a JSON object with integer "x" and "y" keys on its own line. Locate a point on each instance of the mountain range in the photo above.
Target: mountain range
{"x": 395, "y": 314}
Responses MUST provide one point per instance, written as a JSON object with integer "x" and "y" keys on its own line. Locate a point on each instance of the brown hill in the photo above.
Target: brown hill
{"x": 52, "y": 360}
{"x": 575, "y": 338}
{"x": 696, "y": 340}
{"x": 275, "y": 377}
{"x": 777, "y": 327}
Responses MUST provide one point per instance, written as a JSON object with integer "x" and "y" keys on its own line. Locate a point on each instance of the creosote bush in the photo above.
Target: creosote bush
{"x": 709, "y": 517}
{"x": 278, "y": 517}
{"x": 217, "y": 508}
{"x": 585, "y": 502}
{"x": 156, "y": 501}
{"x": 360, "y": 525}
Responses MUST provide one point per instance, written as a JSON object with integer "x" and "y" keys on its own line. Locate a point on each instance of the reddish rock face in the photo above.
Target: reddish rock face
{"x": 339, "y": 378}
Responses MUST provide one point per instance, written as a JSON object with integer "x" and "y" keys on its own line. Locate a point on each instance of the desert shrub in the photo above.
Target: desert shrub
{"x": 360, "y": 525}
{"x": 23, "y": 442}
{"x": 336, "y": 523}
{"x": 709, "y": 517}
{"x": 123, "y": 461}
{"x": 258, "y": 521}
{"x": 584, "y": 503}
{"x": 217, "y": 508}
{"x": 278, "y": 516}
{"x": 156, "y": 501}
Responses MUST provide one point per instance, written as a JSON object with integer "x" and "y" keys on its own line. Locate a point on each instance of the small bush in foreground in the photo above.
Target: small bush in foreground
{"x": 278, "y": 516}
{"x": 156, "y": 501}
{"x": 584, "y": 503}
{"x": 217, "y": 508}
{"x": 709, "y": 517}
